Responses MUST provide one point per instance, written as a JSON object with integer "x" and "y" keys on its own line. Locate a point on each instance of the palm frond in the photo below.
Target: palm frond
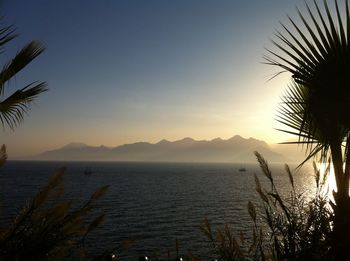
{"x": 27, "y": 54}
{"x": 315, "y": 106}
{"x": 6, "y": 35}
{"x": 13, "y": 108}
{"x": 311, "y": 55}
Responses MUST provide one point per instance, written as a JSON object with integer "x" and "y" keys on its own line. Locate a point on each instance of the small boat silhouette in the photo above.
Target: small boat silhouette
{"x": 242, "y": 169}
{"x": 88, "y": 171}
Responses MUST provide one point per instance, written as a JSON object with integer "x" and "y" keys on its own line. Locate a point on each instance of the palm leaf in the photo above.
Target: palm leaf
{"x": 21, "y": 60}
{"x": 6, "y": 35}
{"x": 315, "y": 106}
{"x": 13, "y": 108}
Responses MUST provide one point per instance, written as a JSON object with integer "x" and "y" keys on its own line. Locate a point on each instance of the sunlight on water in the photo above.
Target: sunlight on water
{"x": 157, "y": 203}
{"x": 330, "y": 184}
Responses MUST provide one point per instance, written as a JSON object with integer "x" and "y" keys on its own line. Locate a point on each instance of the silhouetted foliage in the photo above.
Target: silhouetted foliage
{"x": 316, "y": 105}
{"x": 290, "y": 227}
{"x": 15, "y": 105}
{"x": 48, "y": 228}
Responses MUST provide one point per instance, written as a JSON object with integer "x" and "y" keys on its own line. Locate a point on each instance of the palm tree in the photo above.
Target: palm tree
{"x": 316, "y": 105}
{"x": 13, "y": 107}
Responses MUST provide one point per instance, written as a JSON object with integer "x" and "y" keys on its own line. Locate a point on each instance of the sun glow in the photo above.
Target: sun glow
{"x": 330, "y": 183}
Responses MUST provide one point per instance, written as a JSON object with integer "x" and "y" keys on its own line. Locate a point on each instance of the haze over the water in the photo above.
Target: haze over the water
{"x": 126, "y": 71}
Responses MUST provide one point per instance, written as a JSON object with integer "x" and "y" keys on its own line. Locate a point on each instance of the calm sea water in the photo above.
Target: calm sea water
{"x": 152, "y": 203}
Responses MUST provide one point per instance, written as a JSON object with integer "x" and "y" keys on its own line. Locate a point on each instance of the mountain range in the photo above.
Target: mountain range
{"x": 235, "y": 149}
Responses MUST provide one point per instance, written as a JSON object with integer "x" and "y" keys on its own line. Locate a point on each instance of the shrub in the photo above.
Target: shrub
{"x": 48, "y": 228}
{"x": 290, "y": 227}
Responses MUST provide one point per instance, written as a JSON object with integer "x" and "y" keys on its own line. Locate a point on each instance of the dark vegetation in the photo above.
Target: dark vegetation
{"x": 47, "y": 228}
{"x": 14, "y": 106}
{"x": 316, "y": 105}
{"x": 315, "y": 108}
{"x": 290, "y": 227}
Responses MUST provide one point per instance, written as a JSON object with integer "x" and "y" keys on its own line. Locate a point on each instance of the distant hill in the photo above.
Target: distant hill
{"x": 235, "y": 149}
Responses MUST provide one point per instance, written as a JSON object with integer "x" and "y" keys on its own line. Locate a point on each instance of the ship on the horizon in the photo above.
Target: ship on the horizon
{"x": 88, "y": 171}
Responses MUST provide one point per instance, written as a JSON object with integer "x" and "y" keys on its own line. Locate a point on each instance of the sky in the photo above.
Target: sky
{"x": 145, "y": 70}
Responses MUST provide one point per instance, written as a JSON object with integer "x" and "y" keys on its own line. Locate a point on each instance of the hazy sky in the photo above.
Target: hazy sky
{"x": 125, "y": 71}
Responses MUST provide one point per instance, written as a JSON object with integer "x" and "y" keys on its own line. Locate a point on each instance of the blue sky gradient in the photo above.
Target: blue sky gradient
{"x": 125, "y": 71}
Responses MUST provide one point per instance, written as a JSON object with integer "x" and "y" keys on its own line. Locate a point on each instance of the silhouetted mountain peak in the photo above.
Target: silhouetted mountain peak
{"x": 136, "y": 144}
{"x": 186, "y": 140}
{"x": 235, "y": 149}
{"x": 237, "y": 138}
{"x": 163, "y": 141}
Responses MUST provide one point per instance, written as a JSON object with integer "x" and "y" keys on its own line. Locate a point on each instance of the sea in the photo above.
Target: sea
{"x": 152, "y": 204}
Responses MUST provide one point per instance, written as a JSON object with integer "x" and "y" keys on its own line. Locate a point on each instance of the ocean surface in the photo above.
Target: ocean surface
{"x": 151, "y": 203}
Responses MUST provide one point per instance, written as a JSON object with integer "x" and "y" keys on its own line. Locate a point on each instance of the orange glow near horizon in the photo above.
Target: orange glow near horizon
{"x": 195, "y": 74}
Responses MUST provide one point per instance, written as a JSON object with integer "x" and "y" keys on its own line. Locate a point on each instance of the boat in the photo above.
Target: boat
{"x": 242, "y": 169}
{"x": 88, "y": 171}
